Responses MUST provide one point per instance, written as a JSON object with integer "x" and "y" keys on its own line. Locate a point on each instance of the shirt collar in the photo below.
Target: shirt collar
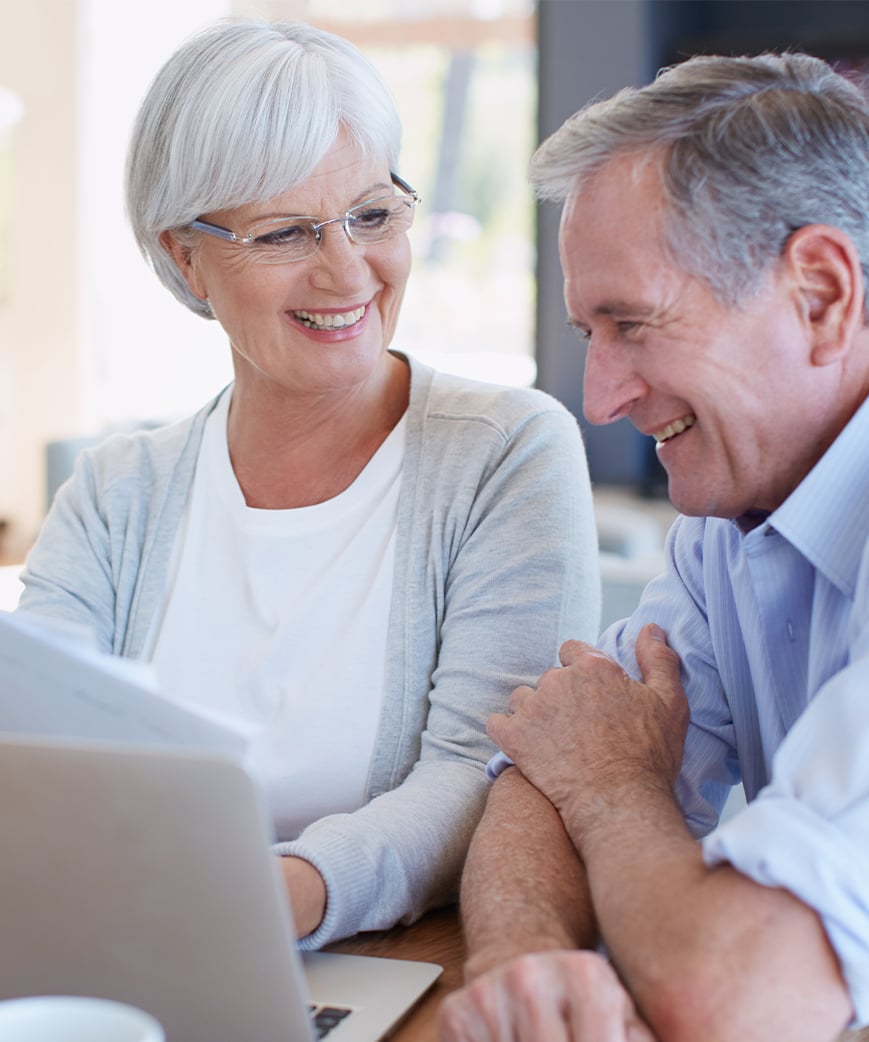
{"x": 750, "y": 520}
{"x": 827, "y": 516}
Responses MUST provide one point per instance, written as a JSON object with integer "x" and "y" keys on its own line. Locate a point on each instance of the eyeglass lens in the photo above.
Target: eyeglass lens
{"x": 371, "y": 222}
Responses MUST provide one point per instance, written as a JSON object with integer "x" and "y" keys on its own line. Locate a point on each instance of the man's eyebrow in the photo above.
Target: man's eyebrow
{"x": 615, "y": 308}
{"x": 624, "y": 307}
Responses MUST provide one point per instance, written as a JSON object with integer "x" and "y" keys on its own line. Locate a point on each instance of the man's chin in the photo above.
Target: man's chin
{"x": 688, "y": 501}
{"x": 704, "y": 506}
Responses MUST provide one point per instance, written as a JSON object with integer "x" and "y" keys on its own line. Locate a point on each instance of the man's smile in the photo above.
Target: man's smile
{"x": 674, "y": 428}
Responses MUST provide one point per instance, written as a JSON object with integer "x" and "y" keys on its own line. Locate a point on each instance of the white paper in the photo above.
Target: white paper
{"x": 54, "y": 682}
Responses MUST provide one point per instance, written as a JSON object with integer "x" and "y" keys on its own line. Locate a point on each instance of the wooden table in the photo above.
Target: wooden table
{"x": 437, "y": 937}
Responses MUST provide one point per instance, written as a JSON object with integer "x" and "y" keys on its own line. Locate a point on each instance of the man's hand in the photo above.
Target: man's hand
{"x": 564, "y": 996}
{"x": 589, "y": 732}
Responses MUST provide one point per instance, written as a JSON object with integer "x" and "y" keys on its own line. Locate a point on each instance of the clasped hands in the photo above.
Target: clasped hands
{"x": 586, "y": 737}
{"x": 554, "y": 996}
{"x": 589, "y": 733}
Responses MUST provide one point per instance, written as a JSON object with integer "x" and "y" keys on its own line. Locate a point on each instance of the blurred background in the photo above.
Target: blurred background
{"x": 90, "y": 342}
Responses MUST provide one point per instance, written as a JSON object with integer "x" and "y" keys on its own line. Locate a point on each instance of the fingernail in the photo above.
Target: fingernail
{"x": 656, "y": 633}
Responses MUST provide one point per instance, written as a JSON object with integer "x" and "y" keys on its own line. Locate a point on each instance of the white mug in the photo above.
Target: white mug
{"x": 71, "y": 1018}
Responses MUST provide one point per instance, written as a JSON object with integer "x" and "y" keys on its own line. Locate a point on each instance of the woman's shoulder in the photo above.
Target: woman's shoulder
{"x": 447, "y": 395}
{"x": 145, "y": 452}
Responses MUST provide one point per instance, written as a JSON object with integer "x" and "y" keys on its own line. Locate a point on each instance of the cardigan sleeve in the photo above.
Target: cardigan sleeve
{"x": 502, "y": 569}
{"x": 102, "y": 556}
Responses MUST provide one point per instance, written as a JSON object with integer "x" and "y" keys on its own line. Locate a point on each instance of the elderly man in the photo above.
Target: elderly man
{"x": 715, "y": 242}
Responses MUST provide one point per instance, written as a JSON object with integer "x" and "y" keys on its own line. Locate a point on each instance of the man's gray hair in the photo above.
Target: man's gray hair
{"x": 240, "y": 113}
{"x": 749, "y": 150}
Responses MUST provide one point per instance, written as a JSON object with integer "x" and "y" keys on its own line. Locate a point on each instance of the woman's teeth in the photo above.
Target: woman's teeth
{"x": 314, "y": 320}
{"x": 674, "y": 428}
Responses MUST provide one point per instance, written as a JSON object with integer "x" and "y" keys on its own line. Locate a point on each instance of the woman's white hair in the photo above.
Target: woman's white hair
{"x": 240, "y": 113}
{"x": 749, "y": 149}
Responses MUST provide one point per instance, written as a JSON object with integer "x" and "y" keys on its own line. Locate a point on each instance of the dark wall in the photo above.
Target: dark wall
{"x": 592, "y": 48}
{"x": 832, "y": 29}
{"x": 586, "y": 48}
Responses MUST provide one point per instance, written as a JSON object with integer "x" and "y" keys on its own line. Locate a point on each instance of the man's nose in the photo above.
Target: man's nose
{"x": 611, "y": 386}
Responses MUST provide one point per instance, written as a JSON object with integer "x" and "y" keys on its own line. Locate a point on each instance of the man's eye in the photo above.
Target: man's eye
{"x": 629, "y": 329}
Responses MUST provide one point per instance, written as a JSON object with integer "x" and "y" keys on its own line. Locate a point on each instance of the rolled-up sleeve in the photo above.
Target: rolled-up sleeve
{"x": 808, "y": 830}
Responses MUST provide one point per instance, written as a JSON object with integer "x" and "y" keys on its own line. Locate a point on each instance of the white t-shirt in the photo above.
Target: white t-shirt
{"x": 279, "y": 618}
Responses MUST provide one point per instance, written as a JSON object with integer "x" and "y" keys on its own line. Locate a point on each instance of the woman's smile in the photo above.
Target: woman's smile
{"x": 330, "y": 319}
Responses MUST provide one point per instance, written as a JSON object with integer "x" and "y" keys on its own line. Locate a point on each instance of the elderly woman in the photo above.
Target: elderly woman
{"x": 357, "y": 556}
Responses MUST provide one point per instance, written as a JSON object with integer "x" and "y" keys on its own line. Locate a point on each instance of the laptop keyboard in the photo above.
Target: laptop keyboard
{"x": 325, "y": 1018}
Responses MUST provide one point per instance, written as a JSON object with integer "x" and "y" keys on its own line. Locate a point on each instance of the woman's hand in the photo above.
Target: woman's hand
{"x": 307, "y": 892}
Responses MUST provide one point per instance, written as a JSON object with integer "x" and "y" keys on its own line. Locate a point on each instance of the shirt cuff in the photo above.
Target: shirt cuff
{"x": 499, "y": 763}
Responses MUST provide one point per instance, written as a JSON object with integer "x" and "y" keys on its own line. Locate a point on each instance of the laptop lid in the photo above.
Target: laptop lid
{"x": 144, "y": 875}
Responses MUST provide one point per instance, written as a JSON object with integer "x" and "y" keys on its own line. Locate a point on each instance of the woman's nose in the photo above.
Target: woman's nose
{"x": 339, "y": 263}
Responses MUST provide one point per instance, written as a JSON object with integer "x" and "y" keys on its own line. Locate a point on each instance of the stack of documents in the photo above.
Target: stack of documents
{"x": 54, "y": 682}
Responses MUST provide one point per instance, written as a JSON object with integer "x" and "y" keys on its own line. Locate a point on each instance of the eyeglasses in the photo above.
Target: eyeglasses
{"x": 281, "y": 240}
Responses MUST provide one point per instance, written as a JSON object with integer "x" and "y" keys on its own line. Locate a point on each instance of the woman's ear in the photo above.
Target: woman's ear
{"x": 183, "y": 255}
{"x": 829, "y": 283}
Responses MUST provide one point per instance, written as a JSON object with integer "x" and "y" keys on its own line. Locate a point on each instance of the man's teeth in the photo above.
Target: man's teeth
{"x": 314, "y": 320}
{"x": 674, "y": 428}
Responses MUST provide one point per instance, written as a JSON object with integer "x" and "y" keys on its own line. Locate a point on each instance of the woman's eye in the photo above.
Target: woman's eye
{"x": 374, "y": 218}
{"x": 287, "y": 236}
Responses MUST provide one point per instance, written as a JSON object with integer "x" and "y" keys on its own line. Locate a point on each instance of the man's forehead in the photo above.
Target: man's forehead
{"x": 637, "y": 171}
{"x": 622, "y": 202}
{"x": 613, "y": 250}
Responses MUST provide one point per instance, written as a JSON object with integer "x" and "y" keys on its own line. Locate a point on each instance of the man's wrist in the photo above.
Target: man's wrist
{"x": 491, "y": 956}
{"x": 614, "y": 803}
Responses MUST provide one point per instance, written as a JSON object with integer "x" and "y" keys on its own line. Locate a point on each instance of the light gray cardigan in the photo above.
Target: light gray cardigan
{"x": 495, "y": 565}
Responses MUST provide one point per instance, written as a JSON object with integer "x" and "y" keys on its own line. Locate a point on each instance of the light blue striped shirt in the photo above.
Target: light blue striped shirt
{"x": 772, "y": 628}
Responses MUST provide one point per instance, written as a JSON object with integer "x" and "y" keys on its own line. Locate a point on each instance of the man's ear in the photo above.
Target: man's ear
{"x": 182, "y": 253}
{"x": 829, "y": 281}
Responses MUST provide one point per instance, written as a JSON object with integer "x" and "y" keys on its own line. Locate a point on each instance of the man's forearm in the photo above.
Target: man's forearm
{"x": 524, "y": 888}
{"x": 705, "y": 952}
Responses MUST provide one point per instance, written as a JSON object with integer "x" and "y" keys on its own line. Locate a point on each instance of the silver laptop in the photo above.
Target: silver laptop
{"x": 144, "y": 874}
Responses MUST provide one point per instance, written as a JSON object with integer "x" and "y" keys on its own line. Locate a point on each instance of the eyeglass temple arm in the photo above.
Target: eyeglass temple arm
{"x": 214, "y": 229}
{"x": 399, "y": 182}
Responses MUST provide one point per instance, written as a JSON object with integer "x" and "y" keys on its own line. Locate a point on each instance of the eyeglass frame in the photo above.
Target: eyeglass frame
{"x": 317, "y": 227}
